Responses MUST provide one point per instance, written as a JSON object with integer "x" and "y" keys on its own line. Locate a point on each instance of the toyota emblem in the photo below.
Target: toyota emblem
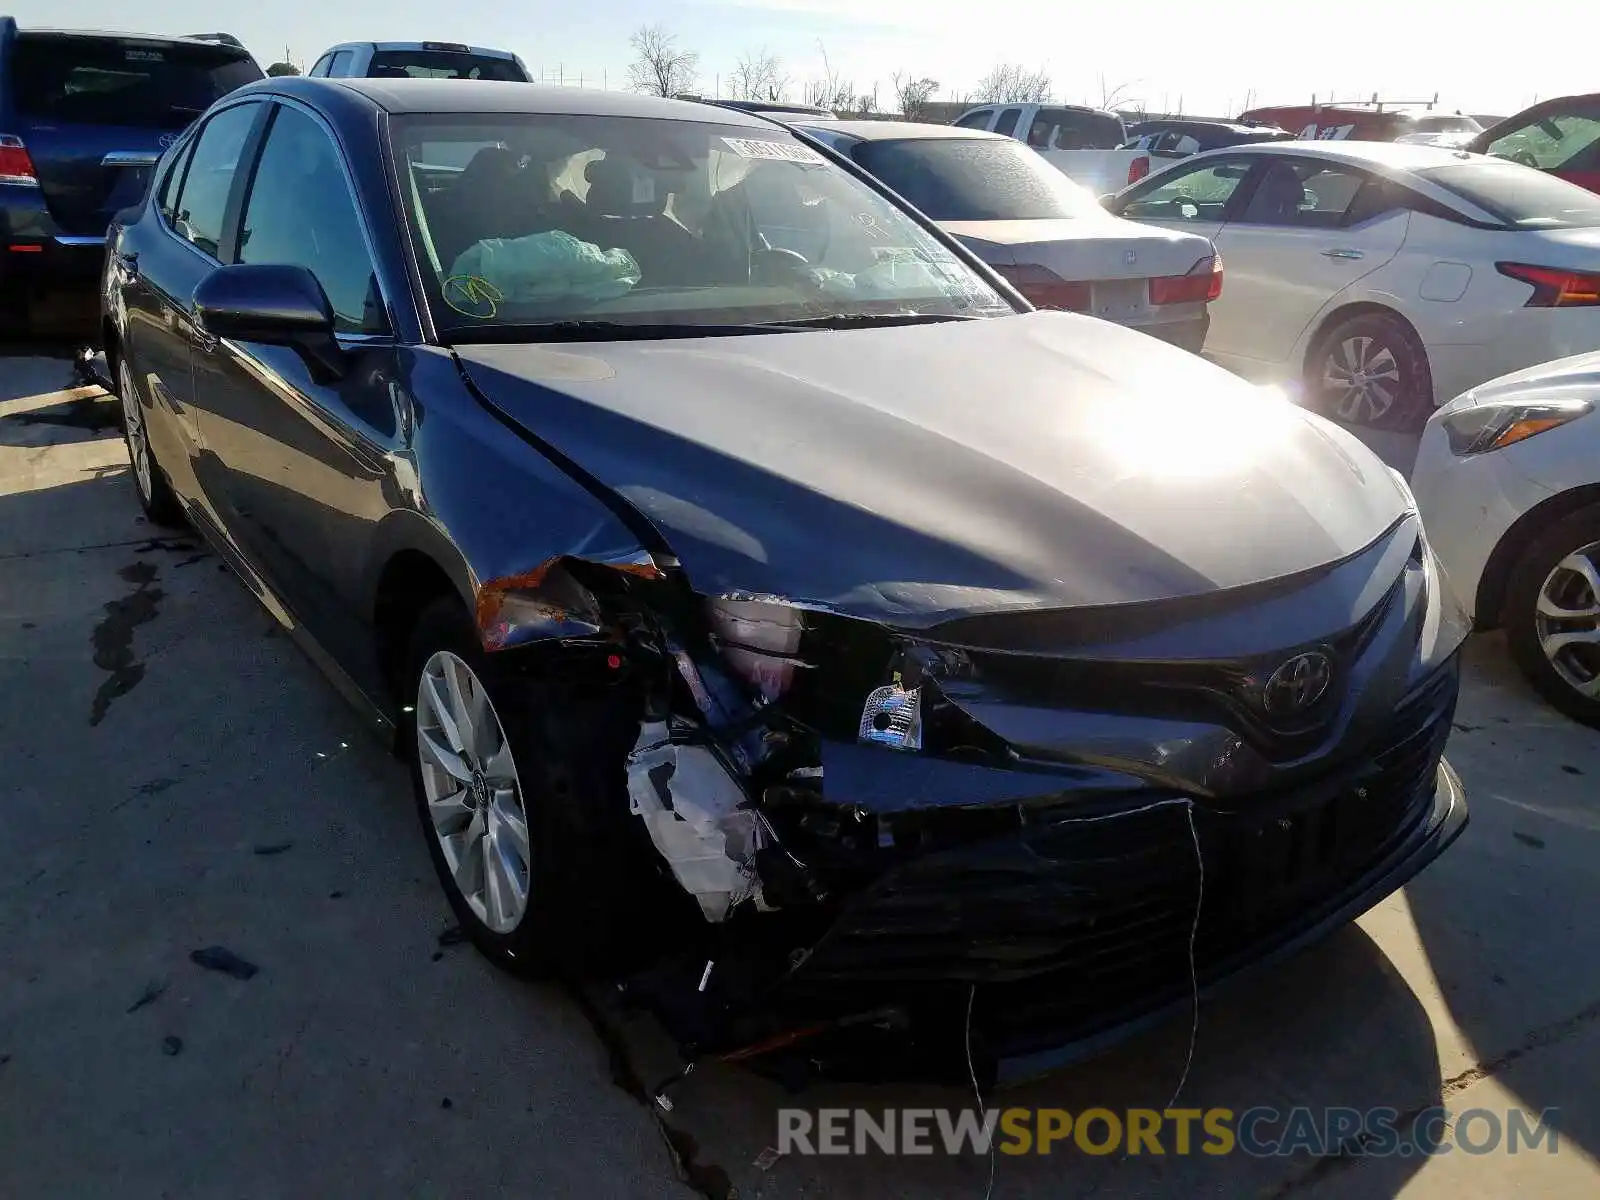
{"x": 166, "y": 140}
{"x": 1297, "y": 684}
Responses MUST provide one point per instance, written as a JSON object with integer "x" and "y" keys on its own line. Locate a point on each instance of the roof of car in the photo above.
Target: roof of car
{"x": 124, "y": 36}
{"x": 884, "y": 131}
{"x": 445, "y": 47}
{"x": 1394, "y": 156}
{"x": 492, "y": 96}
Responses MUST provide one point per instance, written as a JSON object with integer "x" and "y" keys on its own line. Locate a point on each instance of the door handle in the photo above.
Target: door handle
{"x": 1342, "y": 254}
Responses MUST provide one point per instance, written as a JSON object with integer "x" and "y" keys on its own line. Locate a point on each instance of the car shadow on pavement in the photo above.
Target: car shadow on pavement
{"x": 1506, "y": 918}
{"x": 1333, "y": 1026}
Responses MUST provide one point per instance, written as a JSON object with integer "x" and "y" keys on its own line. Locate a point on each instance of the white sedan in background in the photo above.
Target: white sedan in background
{"x": 1384, "y": 279}
{"x": 1507, "y": 480}
{"x": 1046, "y": 234}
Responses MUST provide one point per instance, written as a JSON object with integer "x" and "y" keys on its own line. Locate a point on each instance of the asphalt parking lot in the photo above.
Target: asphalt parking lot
{"x": 174, "y": 776}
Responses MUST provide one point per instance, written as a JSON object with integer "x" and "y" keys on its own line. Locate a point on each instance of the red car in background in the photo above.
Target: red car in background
{"x": 1560, "y": 136}
{"x": 1334, "y": 122}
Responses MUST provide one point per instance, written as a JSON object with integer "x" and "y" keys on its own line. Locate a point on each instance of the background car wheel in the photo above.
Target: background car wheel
{"x": 1552, "y": 615}
{"x": 1371, "y": 370}
{"x": 521, "y": 788}
{"x": 155, "y": 493}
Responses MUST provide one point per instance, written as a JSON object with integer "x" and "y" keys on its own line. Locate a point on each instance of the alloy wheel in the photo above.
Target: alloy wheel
{"x": 474, "y": 796}
{"x": 1361, "y": 379}
{"x": 1567, "y": 620}
{"x": 134, "y": 429}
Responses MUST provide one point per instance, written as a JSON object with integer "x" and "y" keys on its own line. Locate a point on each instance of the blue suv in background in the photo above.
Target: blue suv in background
{"x": 84, "y": 116}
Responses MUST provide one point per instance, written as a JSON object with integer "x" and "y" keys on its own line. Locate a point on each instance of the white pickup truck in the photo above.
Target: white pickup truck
{"x": 1081, "y": 143}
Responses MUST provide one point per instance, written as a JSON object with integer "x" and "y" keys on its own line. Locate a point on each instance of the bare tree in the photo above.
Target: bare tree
{"x": 1111, "y": 97}
{"x": 912, "y": 94}
{"x": 758, "y": 76}
{"x": 832, "y": 91}
{"x": 1011, "y": 83}
{"x": 658, "y": 66}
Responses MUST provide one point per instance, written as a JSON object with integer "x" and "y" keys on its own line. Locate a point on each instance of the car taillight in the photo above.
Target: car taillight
{"x": 1554, "y": 287}
{"x": 1139, "y": 168}
{"x": 1202, "y": 284}
{"x": 15, "y": 165}
{"x": 1045, "y": 289}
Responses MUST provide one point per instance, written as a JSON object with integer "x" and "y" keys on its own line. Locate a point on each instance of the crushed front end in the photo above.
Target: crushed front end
{"x": 1059, "y": 822}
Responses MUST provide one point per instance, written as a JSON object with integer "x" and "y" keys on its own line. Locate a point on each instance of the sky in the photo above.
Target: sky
{"x": 1211, "y": 58}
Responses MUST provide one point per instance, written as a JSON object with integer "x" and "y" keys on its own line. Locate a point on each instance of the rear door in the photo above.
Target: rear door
{"x": 1310, "y": 229}
{"x": 96, "y": 111}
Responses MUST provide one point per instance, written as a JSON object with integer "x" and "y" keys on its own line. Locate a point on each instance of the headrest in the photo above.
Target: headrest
{"x": 615, "y": 188}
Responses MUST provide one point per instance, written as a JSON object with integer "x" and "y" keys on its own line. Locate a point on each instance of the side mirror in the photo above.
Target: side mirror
{"x": 1107, "y": 200}
{"x": 276, "y": 305}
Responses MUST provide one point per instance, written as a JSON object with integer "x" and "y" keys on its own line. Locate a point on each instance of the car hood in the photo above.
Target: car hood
{"x": 1576, "y": 377}
{"x": 917, "y": 473}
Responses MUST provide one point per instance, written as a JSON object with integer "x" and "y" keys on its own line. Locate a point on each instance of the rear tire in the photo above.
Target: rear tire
{"x": 1560, "y": 655}
{"x": 1370, "y": 370}
{"x": 577, "y": 864}
{"x": 150, "y": 484}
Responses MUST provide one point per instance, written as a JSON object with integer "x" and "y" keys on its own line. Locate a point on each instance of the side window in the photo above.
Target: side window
{"x": 203, "y": 201}
{"x": 976, "y": 120}
{"x": 340, "y": 67}
{"x": 167, "y": 198}
{"x": 1007, "y": 124}
{"x": 321, "y": 66}
{"x": 1306, "y": 193}
{"x": 1553, "y": 142}
{"x": 1198, "y": 193}
{"x": 300, "y": 212}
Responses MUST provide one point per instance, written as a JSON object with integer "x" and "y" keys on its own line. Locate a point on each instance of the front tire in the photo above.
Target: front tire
{"x": 1552, "y": 615}
{"x": 155, "y": 494}
{"x": 521, "y": 790}
{"x": 1371, "y": 370}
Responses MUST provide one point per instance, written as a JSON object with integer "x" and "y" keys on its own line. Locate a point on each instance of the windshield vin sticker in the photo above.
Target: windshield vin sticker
{"x": 775, "y": 151}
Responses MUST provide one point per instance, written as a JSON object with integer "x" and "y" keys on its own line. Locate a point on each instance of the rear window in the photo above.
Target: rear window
{"x": 443, "y": 64}
{"x": 108, "y": 81}
{"x": 1072, "y": 129}
{"x": 1519, "y": 196}
{"x": 976, "y": 179}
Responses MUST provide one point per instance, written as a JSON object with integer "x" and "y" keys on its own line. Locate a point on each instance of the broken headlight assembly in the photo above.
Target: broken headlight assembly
{"x": 838, "y": 676}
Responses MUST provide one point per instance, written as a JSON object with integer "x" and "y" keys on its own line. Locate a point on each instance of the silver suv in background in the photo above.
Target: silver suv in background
{"x": 418, "y": 60}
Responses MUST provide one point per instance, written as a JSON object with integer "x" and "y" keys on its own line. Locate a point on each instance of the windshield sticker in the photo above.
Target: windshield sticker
{"x": 472, "y": 296}
{"x": 774, "y": 151}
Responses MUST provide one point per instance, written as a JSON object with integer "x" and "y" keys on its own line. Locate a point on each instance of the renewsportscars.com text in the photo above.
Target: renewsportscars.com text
{"x": 1261, "y": 1132}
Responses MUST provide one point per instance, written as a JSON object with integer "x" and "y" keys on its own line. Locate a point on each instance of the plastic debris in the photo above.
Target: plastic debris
{"x": 690, "y": 806}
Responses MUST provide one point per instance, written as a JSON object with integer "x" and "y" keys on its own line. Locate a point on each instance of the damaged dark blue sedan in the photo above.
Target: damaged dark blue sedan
{"x": 775, "y": 613}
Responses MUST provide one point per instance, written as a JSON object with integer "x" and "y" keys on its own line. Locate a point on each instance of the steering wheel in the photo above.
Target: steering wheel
{"x": 776, "y": 265}
{"x": 1524, "y": 156}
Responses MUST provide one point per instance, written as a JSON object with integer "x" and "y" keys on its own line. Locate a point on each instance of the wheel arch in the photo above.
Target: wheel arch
{"x": 1491, "y": 595}
{"x": 1321, "y": 328}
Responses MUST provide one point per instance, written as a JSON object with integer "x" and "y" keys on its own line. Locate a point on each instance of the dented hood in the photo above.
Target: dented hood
{"x": 917, "y": 473}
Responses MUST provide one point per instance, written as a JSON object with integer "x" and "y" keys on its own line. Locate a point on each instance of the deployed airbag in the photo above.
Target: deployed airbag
{"x": 549, "y": 266}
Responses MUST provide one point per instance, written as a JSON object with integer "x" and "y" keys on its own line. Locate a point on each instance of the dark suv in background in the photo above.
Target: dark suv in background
{"x": 83, "y": 118}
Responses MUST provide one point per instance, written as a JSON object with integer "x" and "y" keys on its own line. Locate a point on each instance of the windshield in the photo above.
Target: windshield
{"x": 1447, "y": 124}
{"x": 1518, "y": 196}
{"x": 108, "y": 81}
{"x": 558, "y": 218}
{"x": 976, "y": 179}
{"x": 443, "y": 64}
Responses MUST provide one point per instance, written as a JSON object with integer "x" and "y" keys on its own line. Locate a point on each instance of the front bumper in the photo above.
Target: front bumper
{"x": 1443, "y": 818}
{"x": 1066, "y": 928}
